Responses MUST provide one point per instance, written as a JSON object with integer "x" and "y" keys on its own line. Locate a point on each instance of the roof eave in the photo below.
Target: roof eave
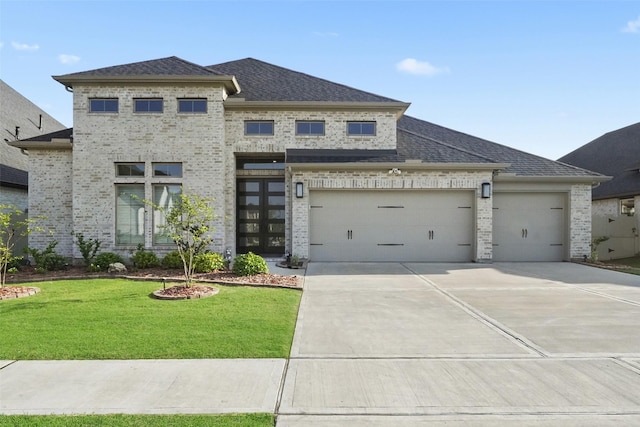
{"x": 241, "y": 104}
{"x": 411, "y": 165}
{"x": 588, "y": 179}
{"x": 229, "y": 82}
{"x": 54, "y": 144}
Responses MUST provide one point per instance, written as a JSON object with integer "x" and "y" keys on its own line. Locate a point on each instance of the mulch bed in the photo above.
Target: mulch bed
{"x": 28, "y": 274}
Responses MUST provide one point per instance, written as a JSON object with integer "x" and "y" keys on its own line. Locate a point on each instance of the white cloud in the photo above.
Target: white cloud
{"x": 68, "y": 59}
{"x": 422, "y": 68}
{"x": 632, "y": 26}
{"x": 24, "y": 46}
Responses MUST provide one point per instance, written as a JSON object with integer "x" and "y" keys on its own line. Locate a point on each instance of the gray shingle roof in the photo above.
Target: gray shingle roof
{"x": 170, "y": 66}
{"x": 523, "y": 164}
{"x": 12, "y": 177}
{"x": 261, "y": 81}
{"x": 47, "y": 137}
{"x": 616, "y": 154}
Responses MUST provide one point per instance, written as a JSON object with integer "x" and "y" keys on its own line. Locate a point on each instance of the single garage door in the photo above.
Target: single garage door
{"x": 389, "y": 225}
{"x": 529, "y": 226}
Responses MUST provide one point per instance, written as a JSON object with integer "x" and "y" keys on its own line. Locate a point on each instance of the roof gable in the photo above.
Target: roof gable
{"x": 261, "y": 81}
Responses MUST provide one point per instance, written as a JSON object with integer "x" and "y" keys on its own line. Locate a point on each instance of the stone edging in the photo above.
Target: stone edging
{"x": 25, "y": 291}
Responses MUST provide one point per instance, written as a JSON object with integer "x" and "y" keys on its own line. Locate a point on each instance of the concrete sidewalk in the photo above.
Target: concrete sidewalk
{"x": 140, "y": 386}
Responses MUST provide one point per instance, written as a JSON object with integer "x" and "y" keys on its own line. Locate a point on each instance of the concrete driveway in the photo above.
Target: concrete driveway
{"x": 464, "y": 344}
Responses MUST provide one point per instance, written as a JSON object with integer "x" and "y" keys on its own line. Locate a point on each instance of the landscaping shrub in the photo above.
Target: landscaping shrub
{"x": 88, "y": 247}
{"x": 249, "y": 264}
{"x": 101, "y": 261}
{"x": 172, "y": 260}
{"x": 144, "y": 259}
{"x": 208, "y": 262}
{"x": 48, "y": 259}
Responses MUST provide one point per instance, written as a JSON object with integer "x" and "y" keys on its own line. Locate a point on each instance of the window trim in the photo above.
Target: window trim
{"x": 362, "y": 122}
{"x": 104, "y": 104}
{"x": 248, "y": 122}
{"x": 193, "y": 100}
{"x": 310, "y": 122}
{"x": 148, "y": 100}
{"x": 140, "y": 205}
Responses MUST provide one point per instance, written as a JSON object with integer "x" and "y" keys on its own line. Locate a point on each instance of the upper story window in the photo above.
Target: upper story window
{"x": 103, "y": 105}
{"x": 309, "y": 128}
{"x": 252, "y": 127}
{"x": 167, "y": 169}
{"x": 192, "y": 105}
{"x": 627, "y": 207}
{"x": 361, "y": 128}
{"x": 150, "y": 105}
{"x": 129, "y": 169}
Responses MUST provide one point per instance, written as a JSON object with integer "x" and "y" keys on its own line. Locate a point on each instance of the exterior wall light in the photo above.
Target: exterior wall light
{"x": 299, "y": 190}
{"x": 486, "y": 190}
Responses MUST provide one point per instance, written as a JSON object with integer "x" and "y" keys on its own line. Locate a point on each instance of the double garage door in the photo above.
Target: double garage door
{"x": 427, "y": 226}
{"x": 433, "y": 226}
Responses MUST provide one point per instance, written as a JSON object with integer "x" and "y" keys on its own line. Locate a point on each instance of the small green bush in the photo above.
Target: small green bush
{"x": 208, "y": 262}
{"x": 102, "y": 261}
{"x": 88, "y": 247}
{"x": 48, "y": 259}
{"x": 144, "y": 259}
{"x": 249, "y": 264}
{"x": 172, "y": 260}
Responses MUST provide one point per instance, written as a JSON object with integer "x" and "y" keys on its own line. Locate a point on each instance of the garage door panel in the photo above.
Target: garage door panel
{"x": 529, "y": 226}
{"x": 391, "y": 226}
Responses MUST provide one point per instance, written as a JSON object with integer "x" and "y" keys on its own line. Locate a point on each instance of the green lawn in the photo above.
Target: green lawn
{"x": 234, "y": 420}
{"x": 633, "y": 262}
{"x": 117, "y": 319}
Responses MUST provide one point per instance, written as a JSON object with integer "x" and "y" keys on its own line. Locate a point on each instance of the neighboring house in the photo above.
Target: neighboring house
{"x": 296, "y": 164}
{"x": 19, "y": 119}
{"x": 615, "y": 202}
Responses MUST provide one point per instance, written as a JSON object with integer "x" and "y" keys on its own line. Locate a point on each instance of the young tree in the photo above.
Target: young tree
{"x": 12, "y": 227}
{"x": 188, "y": 224}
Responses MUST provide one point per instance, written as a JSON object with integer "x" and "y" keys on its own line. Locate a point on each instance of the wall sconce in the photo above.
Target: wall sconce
{"x": 395, "y": 171}
{"x": 299, "y": 190}
{"x": 486, "y": 190}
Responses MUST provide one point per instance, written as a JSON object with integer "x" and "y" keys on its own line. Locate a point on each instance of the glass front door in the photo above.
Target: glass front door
{"x": 260, "y": 221}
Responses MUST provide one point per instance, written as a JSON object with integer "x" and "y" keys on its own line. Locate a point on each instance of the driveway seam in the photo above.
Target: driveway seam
{"x": 484, "y": 318}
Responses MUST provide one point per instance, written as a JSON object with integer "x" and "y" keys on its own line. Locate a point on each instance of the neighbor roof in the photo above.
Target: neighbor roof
{"x": 616, "y": 154}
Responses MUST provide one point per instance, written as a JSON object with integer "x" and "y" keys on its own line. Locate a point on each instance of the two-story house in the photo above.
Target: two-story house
{"x": 296, "y": 164}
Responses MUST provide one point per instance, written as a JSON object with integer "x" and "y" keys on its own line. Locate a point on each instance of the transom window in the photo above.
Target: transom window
{"x": 167, "y": 169}
{"x": 129, "y": 169}
{"x": 361, "y": 128}
{"x": 194, "y": 105}
{"x": 103, "y": 105}
{"x": 252, "y": 127}
{"x": 309, "y": 128}
{"x": 151, "y": 105}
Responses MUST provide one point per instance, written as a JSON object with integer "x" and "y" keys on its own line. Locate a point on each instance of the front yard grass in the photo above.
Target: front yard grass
{"x": 233, "y": 420}
{"x": 633, "y": 263}
{"x": 117, "y": 319}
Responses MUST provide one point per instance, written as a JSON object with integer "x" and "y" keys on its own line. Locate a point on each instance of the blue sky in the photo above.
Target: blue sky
{"x": 541, "y": 76}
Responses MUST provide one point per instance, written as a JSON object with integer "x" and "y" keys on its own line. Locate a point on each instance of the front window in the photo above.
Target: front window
{"x": 627, "y": 207}
{"x": 167, "y": 169}
{"x": 130, "y": 216}
{"x": 103, "y": 105}
{"x": 148, "y": 105}
{"x": 165, "y": 197}
{"x": 309, "y": 128}
{"x": 361, "y": 128}
{"x": 192, "y": 105}
{"x": 129, "y": 169}
{"x": 258, "y": 128}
